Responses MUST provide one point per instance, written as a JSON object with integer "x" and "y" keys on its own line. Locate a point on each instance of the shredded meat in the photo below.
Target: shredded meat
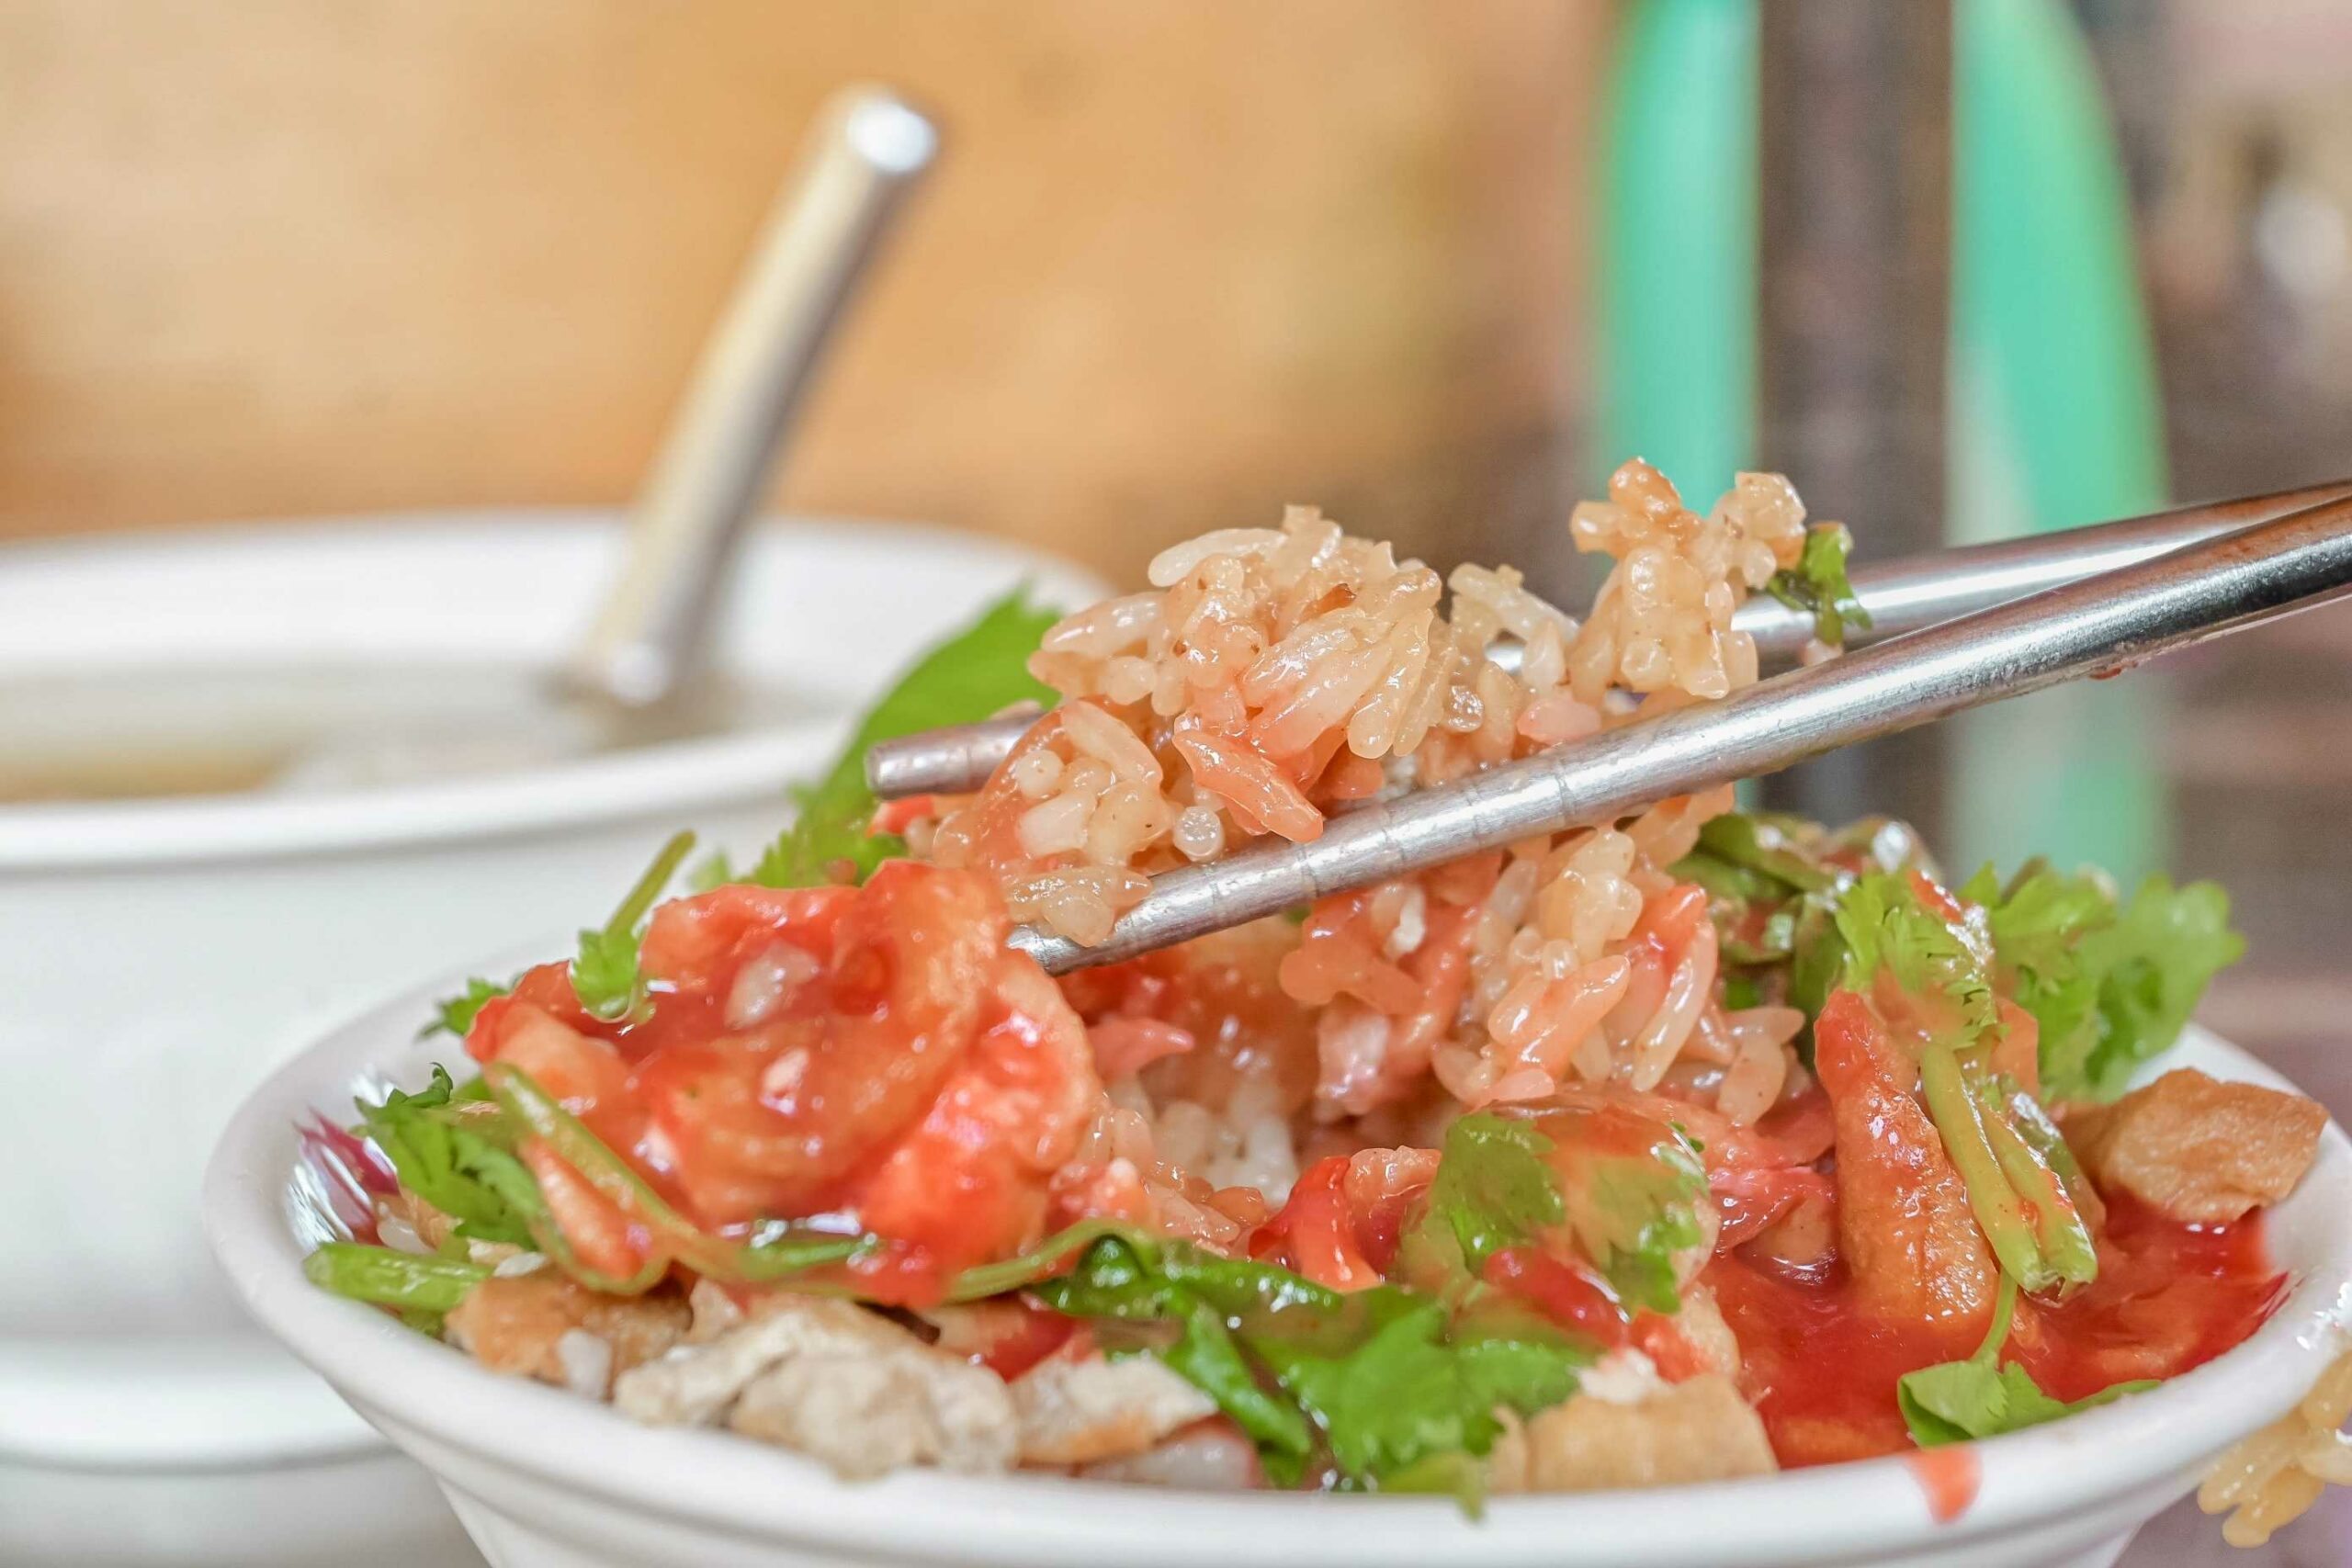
{"x": 518, "y": 1326}
{"x": 1080, "y": 1410}
{"x": 1208, "y": 1456}
{"x": 2195, "y": 1149}
{"x": 1700, "y": 1429}
{"x": 715, "y": 1311}
{"x": 837, "y": 1383}
{"x": 865, "y": 1414}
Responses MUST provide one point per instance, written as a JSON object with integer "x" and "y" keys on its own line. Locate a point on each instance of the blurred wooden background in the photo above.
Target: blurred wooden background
{"x": 1185, "y": 259}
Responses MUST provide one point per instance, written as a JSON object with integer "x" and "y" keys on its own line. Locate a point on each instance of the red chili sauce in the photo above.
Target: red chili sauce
{"x": 1822, "y": 1375}
{"x": 1949, "y": 1477}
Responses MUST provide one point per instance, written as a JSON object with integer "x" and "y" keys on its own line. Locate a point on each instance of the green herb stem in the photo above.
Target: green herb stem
{"x": 781, "y": 1256}
{"x": 393, "y": 1279}
{"x": 2064, "y": 1240}
{"x": 1998, "y": 1212}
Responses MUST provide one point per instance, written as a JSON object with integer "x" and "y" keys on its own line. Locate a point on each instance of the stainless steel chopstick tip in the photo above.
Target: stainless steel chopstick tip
{"x": 2093, "y": 627}
{"x": 1901, "y": 596}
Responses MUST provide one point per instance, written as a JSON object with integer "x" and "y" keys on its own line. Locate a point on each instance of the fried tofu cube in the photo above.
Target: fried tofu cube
{"x": 2197, "y": 1149}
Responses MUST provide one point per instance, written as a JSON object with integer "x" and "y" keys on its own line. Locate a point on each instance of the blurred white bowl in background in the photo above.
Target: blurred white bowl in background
{"x": 161, "y": 956}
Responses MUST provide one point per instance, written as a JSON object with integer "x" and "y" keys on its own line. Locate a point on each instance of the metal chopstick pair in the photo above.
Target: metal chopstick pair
{"x": 1901, "y": 596}
{"x": 2126, "y": 592}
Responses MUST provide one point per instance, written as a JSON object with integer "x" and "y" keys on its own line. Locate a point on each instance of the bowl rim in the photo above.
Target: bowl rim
{"x": 714, "y": 1480}
{"x": 672, "y": 779}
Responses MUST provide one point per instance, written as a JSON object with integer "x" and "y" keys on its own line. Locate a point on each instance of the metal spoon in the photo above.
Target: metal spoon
{"x": 634, "y": 679}
{"x": 867, "y": 149}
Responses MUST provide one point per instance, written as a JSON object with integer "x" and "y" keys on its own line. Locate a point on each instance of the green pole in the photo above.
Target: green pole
{"x": 1677, "y": 255}
{"x": 2055, "y": 422}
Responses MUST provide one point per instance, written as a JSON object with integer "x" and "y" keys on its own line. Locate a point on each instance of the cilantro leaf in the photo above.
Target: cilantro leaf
{"x": 1404, "y": 1389}
{"x": 2109, "y": 987}
{"x": 1492, "y": 1190}
{"x": 1886, "y": 925}
{"x": 1774, "y": 882}
{"x": 972, "y": 674}
{"x": 1632, "y": 1213}
{"x": 2153, "y": 965}
{"x": 1123, "y": 1278}
{"x": 456, "y": 1015}
{"x": 1956, "y": 1401}
{"x": 455, "y": 1160}
{"x": 605, "y": 972}
{"x": 1381, "y": 1382}
{"x": 1819, "y": 585}
{"x": 1504, "y": 1182}
{"x": 2041, "y": 915}
{"x": 1207, "y": 1356}
{"x": 2038, "y": 924}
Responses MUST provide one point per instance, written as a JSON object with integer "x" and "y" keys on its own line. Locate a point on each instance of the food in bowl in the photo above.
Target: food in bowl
{"x": 1702, "y": 1144}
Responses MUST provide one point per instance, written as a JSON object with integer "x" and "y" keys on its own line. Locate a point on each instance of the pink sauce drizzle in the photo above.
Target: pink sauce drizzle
{"x": 1948, "y": 1477}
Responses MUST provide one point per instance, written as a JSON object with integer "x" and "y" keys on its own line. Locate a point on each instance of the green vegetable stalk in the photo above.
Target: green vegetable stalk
{"x": 1996, "y": 1205}
{"x": 2058, "y": 1227}
{"x": 2019, "y": 1201}
{"x": 393, "y": 1279}
{"x": 781, "y": 1254}
{"x": 605, "y": 974}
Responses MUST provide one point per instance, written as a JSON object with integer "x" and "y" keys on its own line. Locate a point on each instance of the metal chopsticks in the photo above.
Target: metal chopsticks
{"x": 1901, "y": 596}
{"x": 2098, "y": 626}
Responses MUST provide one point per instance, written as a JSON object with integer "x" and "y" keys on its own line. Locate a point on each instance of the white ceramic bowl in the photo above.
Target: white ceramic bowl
{"x": 161, "y": 956}
{"x": 544, "y": 1479}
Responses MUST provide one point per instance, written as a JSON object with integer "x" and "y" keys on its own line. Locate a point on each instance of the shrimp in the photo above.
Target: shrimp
{"x": 874, "y": 1053}
{"x": 971, "y": 1181}
{"x": 768, "y": 1121}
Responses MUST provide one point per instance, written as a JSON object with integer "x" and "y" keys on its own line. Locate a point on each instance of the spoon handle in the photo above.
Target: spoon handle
{"x": 867, "y": 151}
